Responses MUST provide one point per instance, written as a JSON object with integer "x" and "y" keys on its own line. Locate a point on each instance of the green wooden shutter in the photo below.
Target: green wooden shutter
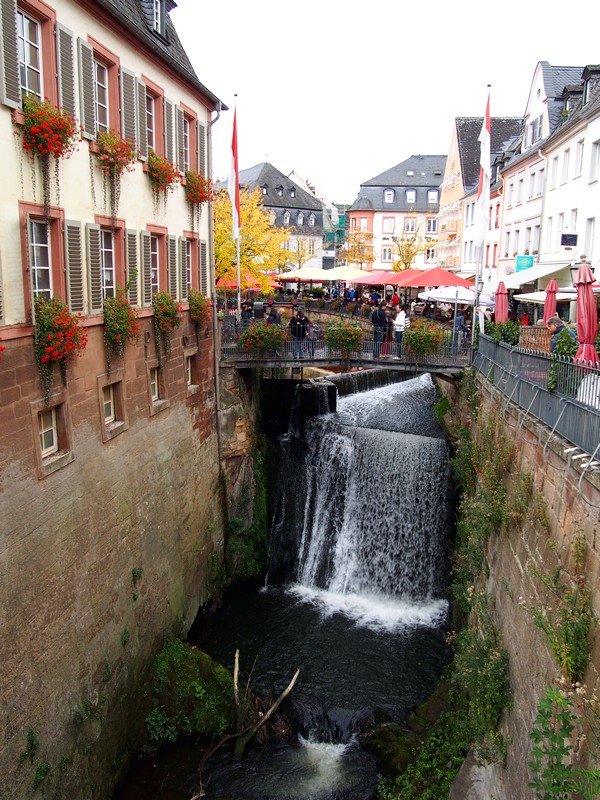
{"x": 65, "y": 62}
{"x": 172, "y": 265}
{"x": 86, "y": 89}
{"x": 10, "y": 78}
{"x": 131, "y": 265}
{"x": 169, "y": 135}
{"x": 146, "y": 264}
{"x": 142, "y": 126}
{"x": 179, "y": 120}
{"x": 94, "y": 267}
{"x": 203, "y": 267}
{"x": 128, "y": 106}
{"x": 74, "y": 265}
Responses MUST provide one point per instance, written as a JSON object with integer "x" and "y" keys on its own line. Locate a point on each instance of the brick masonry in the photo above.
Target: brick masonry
{"x": 78, "y": 627}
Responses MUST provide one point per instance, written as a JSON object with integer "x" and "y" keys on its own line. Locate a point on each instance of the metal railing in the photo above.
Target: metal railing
{"x": 563, "y": 395}
{"x": 451, "y": 353}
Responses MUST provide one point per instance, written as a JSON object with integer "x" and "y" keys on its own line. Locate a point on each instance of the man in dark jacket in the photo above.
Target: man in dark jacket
{"x": 298, "y": 328}
{"x": 379, "y": 321}
{"x": 555, "y": 325}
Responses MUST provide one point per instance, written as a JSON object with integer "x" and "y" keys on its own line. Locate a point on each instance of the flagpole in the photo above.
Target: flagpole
{"x": 483, "y": 207}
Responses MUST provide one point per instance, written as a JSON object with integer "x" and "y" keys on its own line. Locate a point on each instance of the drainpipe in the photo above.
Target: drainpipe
{"x": 213, "y": 288}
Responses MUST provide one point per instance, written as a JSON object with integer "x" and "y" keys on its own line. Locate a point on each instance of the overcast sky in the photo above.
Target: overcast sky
{"x": 341, "y": 95}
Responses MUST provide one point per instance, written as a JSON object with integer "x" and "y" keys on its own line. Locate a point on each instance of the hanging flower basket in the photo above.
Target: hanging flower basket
{"x": 58, "y": 339}
{"x": 2, "y": 349}
{"x": 198, "y": 189}
{"x": 121, "y": 325}
{"x": 261, "y": 337}
{"x": 199, "y": 308}
{"x": 164, "y": 176}
{"x": 115, "y": 156}
{"x": 48, "y": 132}
{"x": 167, "y": 317}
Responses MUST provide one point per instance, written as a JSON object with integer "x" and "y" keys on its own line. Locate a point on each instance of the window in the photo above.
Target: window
{"x": 595, "y": 162}
{"x": 279, "y": 191}
{"x": 410, "y": 225}
{"x": 511, "y": 191}
{"x": 579, "y": 158}
{"x": 574, "y": 220}
{"x": 388, "y": 225}
{"x": 497, "y": 216}
{"x": 430, "y": 254}
{"x": 520, "y": 191}
{"x": 156, "y": 388}
{"x": 186, "y": 144}
{"x": 386, "y": 253}
{"x": 363, "y": 223}
{"x": 388, "y": 196}
{"x": 311, "y": 220}
{"x": 113, "y": 417}
{"x": 264, "y": 189}
{"x": 286, "y": 217}
{"x": 549, "y": 233}
{"x": 187, "y": 264}
{"x": 30, "y": 55}
{"x": 300, "y": 218}
{"x": 431, "y": 225}
{"x": 506, "y": 244}
{"x": 311, "y": 247}
{"x": 40, "y": 259}
{"x": 565, "y": 165}
{"x": 411, "y": 196}
{"x": 292, "y": 192}
{"x": 101, "y": 93}
{"x": 107, "y": 259}
{"x": 554, "y": 175}
{"x": 191, "y": 362}
{"x": 151, "y": 121}
{"x": 52, "y": 430}
{"x": 155, "y": 263}
{"x": 158, "y": 16}
{"x": 410, "y": 172}
{"x": 432, "y": 196}
{"x": 540, "y": 182}
{"x": 108, "y": 404}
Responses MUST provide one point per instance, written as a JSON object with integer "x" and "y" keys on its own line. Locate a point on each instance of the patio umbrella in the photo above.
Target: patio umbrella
{"x": 452, "y": 294}
{"x": 501, "y": 311}
{"x": 550, "y": 301}
{"x": 587, "y": 317}
{"x": 434, "y": 277}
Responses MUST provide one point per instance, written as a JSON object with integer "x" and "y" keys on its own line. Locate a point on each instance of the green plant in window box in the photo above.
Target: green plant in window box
{"x": 261, "y": 338}
{"x": 199, "y": 308}
{"x": 115, "y": 156}
{"x": 58, "y": 339}
{"x": 121, "y": 325}
{"x": 167, "y": 317}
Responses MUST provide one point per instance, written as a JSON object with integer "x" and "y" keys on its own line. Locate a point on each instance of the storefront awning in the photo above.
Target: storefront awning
{"x": 539, "y": 271}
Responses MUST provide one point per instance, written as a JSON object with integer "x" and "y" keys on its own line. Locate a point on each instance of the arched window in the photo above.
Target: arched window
{"x": 388, "y": 196}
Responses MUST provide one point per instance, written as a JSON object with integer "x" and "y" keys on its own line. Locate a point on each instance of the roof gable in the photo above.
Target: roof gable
{"x": 502, "y": 131}
{"x": 281, "y": 191}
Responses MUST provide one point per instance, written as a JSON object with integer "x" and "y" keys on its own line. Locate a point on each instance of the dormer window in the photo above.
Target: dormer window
{"x": 159, "y": 16}
{"x": 286, "y": 217}
{"x": 388, "y": 196}
{"x": 292, "y": 192}
{"x": 587, "y": 91}
{"x": 432, "y": 196}
{"x": 311, "y": 219}
{"x": 264, "y": 189}
{"x": 279, "y": 191}
{"x": 411, "y": 196}
{"x": 410, "y": 172}
{"x": 300, "y": 218}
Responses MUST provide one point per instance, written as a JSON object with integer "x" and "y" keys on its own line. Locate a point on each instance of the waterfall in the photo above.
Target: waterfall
{"x": 365, "y": 509}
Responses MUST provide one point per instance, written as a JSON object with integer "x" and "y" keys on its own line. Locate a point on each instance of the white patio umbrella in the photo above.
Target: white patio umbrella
{"x": 456, "y": 295}
{"x": 346, "y": 273}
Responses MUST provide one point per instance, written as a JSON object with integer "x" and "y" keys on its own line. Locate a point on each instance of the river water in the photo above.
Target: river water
{"x": 355, "y": 598}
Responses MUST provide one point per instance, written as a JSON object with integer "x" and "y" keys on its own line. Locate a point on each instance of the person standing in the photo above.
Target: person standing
{"x": 556, "y": 325}
{"x": 312, "y": 335}
{"x": 379, "y": 322}
{"x": 298, "y": 328}
{"x": 399, "y": 328}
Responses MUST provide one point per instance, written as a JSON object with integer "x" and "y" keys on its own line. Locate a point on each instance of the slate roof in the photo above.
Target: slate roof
{"x": 266, "y": 174}
{"x": 428, "y": 173}
{"x": 136, "y": 17}
{"x": 555, "y": 80}
{"x": 502, "y": 131}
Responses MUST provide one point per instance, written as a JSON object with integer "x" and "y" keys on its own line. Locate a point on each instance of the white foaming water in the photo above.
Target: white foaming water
{"x": 316, "y": 767}
{"x": 380, "y": 614}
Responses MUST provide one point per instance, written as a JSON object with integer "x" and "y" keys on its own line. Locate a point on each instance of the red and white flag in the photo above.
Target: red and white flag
{"x": 234, "y": 182}
{"x": 485, "y": 174}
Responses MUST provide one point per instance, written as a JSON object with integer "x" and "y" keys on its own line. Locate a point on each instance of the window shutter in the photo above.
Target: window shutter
{"x": 1, "y": 300}
{"x": 142, "y": 140}
{"x": 94, "y": 267}
{"x": 86, "y": 89}
{"x": 201, "y": 149}
{"x": 203, "y": 264}
{"x": 128, "y": 105}
{"x": 65, "y": 62}
{"x": 10, "y": 79}
{"x": 74, "y": 264}
{"x": 146, "y": 263}
{"x": 172, "y": 264}
{"x": 169, "y": 138}
{"x": 183, "y": 267}
{"x": 131, "y": 265}
{"x": 179, "y": 119}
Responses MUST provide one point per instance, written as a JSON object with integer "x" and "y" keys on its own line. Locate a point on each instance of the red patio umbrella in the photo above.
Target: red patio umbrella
{"x": 587, "y": 317}
{"x": 385, "y": 277}
{"x": 501, "y": 309}
{"x": 550, "y": 301}
{"x": 433, "y": 277}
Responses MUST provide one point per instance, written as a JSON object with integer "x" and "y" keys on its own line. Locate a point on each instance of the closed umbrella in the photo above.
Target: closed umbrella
{"x": 501, "y": 310}
{"x": 550, "y": 301}
{"x": 587, "y": 317}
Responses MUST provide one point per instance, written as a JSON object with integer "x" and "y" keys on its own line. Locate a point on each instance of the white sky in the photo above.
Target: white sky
{"x": 342, "y": 94}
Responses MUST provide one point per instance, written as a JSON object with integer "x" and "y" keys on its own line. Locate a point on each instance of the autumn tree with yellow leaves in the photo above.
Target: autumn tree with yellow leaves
{"x": 261, "y": 242}
{"x": 409, "y": 245}
{"x": 359, "y": 247}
